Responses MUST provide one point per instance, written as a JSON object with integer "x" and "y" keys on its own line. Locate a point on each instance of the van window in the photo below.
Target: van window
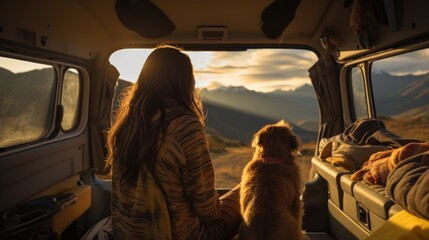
{"x": 27, "y": 97}
{"x": 243, "y": 91}
{"x": 400, "y": 85}
{"x": 357, "y": 97}
{"x": 70, "y": 99}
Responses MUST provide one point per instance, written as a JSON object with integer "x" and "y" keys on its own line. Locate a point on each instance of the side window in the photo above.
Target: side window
{"x": 400, "y": 86}
{"x": 27, "y": 98}
{"x": 70, "y": 99}
{"x": 357, "y": 94}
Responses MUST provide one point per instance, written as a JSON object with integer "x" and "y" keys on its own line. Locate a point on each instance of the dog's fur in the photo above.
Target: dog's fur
{"x": 270, "y": 190}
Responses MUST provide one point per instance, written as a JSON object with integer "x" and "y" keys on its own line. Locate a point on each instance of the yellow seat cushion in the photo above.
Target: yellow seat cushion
{"x": 403, "y": 225}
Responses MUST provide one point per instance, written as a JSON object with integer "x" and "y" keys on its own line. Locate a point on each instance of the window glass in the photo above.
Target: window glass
{"x": 243, "y": 91}
{"x": 357, "y": 93}
{"x": 27, "y": 97}
{"x": 70, "y": 99}
{"x": 401, "y": 93}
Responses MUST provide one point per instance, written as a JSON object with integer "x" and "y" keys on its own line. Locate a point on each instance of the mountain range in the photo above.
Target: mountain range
{"x": 237, "y": 113}
{"x": 401, "y": 96}
{"x": 238, "y": 125}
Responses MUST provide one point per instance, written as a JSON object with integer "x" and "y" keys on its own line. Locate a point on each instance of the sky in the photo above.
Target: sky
{"x": 410, "y": 63}
{"x": 261, "y": 70}
{"x": 17, "y": 66}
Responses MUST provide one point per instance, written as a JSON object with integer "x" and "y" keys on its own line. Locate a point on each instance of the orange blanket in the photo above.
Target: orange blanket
{"x": 380, "y": 164}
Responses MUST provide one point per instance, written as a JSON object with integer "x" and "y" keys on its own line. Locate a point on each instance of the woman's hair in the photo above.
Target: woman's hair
{"x": 133, "y": 140}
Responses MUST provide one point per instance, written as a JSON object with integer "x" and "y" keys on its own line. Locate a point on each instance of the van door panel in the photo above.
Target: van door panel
{"x": 26, "y": 173}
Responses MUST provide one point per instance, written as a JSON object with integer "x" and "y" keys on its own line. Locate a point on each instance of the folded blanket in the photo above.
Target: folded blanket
{"x": 380, "y": 164}
{"x": 373, "y": 132}
{"x": 408, "y": 184}
{"x": 376, "y": 169}
{"x": 347, "y": 155}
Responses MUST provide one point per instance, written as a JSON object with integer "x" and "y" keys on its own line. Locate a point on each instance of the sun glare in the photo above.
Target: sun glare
{"x": 262, "y": 70}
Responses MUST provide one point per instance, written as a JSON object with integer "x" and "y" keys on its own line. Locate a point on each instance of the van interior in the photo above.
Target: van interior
{"x": 352, "y": 77}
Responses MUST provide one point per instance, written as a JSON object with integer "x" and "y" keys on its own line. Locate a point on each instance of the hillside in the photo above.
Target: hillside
{"x": 411, "y": 128}
{"x": 26, "y": 103}
{"x": 398, "y": 95}
{"x": 235, "y": 124}
{"x": 237, "y": 113}
{"x": 293, "y": 106}
{"x": 229, "y": 164}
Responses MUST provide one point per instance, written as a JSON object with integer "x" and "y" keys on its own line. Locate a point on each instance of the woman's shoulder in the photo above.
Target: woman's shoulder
{"x": 187, "y": 121}
{"x": 178, "y": 113}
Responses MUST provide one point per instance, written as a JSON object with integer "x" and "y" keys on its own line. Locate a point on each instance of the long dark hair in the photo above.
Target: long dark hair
{"x": 133, "y": 141}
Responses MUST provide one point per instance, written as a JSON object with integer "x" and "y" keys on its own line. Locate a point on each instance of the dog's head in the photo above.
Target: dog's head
{"x": 276, "y": 140}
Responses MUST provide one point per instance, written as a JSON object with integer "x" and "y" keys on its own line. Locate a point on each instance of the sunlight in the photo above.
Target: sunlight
{"x": 129, "y": 62}
{"x": 18, "y": 66}
{"x": 261, "y": 70}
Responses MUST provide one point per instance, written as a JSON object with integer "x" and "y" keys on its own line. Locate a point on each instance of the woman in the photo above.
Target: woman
{"x": 162, "y": 175}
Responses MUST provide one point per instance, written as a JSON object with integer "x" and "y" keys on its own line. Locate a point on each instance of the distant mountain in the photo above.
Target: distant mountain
{"x": 36, "y": 86}
{"x": 398, "y": 95}
{"x": 294, "y": 106}
{"x": 305, "y": 90}
{"x": 26, "y": 103}
{"x": 4, "y": 73}
{"x": 237, "y": 113}
{"x": 233, "y": 124}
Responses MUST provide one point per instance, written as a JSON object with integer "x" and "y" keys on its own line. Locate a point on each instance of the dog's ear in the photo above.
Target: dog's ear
{"x": 260, "y": 138}
{"x": 294, "y": 143}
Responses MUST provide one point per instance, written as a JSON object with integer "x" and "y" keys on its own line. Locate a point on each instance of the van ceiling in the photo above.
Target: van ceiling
{"x": 86, "y": 28}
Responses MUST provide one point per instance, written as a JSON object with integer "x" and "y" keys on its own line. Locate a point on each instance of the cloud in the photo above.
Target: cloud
{"x": 214, "y": 85}
{"x": 228, "y": 68}
{"x": 409, "y": 63}
{"x": 205, "y": 72}
{"x": 261, "y": 69}
{"x": 277, "y": 74}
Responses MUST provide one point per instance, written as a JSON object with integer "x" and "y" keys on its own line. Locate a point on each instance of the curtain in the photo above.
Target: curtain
{"x": 101, "y": 98}
{"x": 325, "y": 79}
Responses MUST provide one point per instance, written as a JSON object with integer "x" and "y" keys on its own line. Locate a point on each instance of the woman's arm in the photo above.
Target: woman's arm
{"x": 198, "y": 178}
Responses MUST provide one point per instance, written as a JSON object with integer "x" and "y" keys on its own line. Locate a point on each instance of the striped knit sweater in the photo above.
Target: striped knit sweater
{"x": 181, "y": 199}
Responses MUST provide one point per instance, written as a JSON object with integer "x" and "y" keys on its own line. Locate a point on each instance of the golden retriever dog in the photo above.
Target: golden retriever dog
{"x": 271, "y": 186}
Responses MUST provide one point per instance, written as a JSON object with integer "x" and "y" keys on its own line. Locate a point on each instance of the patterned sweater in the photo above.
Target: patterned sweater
{"x": 181, "y": 199}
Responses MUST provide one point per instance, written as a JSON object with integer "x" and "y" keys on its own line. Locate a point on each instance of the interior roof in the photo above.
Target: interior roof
{"x": 88, "y": 28}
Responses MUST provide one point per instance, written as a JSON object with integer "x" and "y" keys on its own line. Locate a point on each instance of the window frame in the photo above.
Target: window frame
{"x": 59, "y": 65}
{"x": 351, "y": 93}
{"x": 79, "y": 100}
{"x": 396, "y": 53}
{"x": 367, "y": 63}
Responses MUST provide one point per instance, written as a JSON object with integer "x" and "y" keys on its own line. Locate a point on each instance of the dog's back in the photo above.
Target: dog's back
{"x": 270, "y": 202}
